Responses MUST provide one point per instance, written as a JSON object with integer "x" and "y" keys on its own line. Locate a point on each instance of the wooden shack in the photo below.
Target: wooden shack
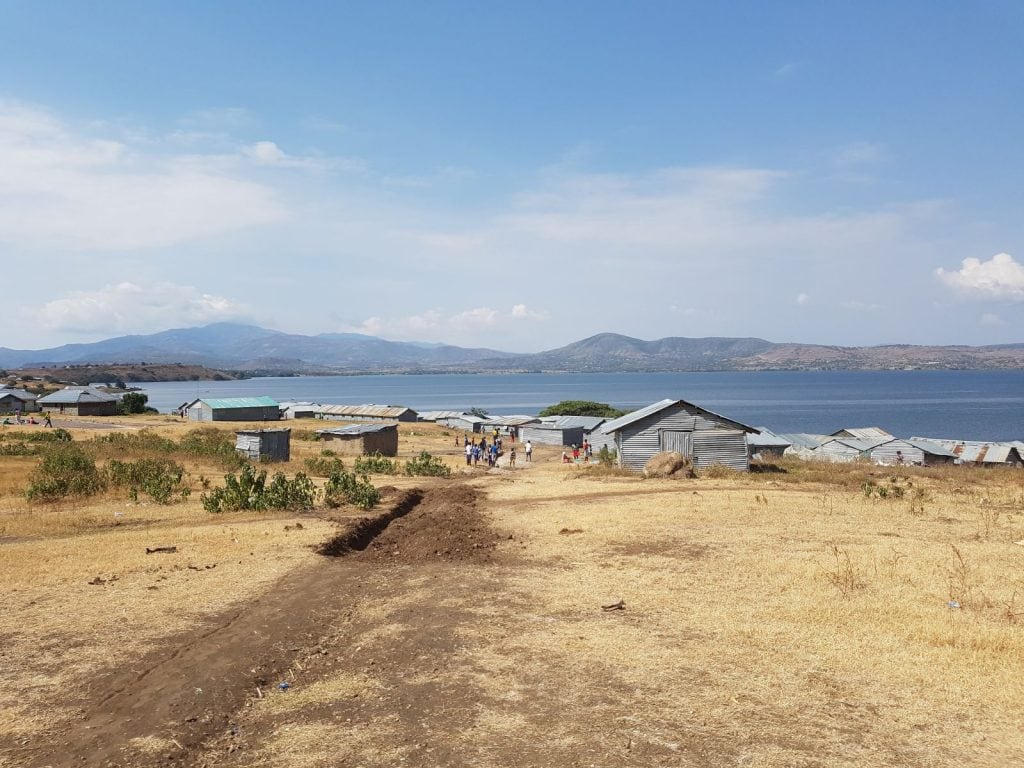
{"x": 264, "y": 444}
{"x": 705, "y": 437}
{"x": 362, "y": 439}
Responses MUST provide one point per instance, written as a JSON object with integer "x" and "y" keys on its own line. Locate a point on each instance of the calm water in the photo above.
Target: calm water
{"x": 979, "y": 405}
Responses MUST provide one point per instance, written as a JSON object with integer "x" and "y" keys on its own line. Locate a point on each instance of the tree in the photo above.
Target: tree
{"x": 581, "y": 408}
{"x": 134, "y": 402}
{"x": 478, "y": 412}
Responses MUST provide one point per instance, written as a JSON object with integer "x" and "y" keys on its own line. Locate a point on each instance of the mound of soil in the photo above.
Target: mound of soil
{"x": 447, "y": 525}
{"x": 668, "y": 464}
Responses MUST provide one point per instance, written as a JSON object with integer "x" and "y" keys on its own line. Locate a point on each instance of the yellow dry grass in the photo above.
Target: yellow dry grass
{"x": 769, "y": 619}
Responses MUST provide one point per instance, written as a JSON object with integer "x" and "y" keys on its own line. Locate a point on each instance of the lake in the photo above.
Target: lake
{"x": 974, "y": 405}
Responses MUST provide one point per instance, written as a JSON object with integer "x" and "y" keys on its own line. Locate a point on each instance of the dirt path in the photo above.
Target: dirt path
{"x": 192, "y": 689}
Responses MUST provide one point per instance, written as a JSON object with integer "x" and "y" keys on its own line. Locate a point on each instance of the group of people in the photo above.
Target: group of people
{"x": 490, "y": 451}
{"x": 46, "y": 422}
{"x": 587, "y": 450}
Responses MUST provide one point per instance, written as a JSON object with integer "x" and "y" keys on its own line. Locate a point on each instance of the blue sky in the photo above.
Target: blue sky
{"x": 515, "y": 177}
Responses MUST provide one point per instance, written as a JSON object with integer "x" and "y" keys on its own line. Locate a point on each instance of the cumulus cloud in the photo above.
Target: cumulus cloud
{"x": 1001, "y": 277}
{"x": 134, "y": 308}
{"x": 61, "y": 188}
{"x": 269, "y": 154}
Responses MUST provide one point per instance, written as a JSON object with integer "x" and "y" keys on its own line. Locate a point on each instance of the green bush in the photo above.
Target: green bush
{"x": 347, "y": 487}
{"x": 376, "y": 465}
{"x": 249, "y": 490}
{"x": 581, "y": 408}
{"x": 17, "y": 449}
{"x": 214, "y": 443}
{"x": 160, "y": 479}
{"x": 144, "y": 440}
{"x": 42, "y": 436}
{"x": 133, "y": 402}
{"x": 325, "y": 464}
{"x": 426, "y": 465}
{"x": 66, "y": 470}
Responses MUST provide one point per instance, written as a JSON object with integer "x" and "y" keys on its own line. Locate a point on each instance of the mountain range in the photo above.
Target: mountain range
{"x": 238, "y": 347}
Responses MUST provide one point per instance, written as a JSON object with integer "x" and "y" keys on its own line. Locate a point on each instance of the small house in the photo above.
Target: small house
{"x": 979, "y": 453}
{"x": 766, "y": 444}
{"x": 507, "y": 425}
{"x": 844, "y": 450}
{"x": 17, "y": 401}
{"x": 705, "y": 437}
{"x": 803, "y": 444}
{"x": 551, "y": 434}
{"x": 362, "y": 439}
{"x": 234, "y": 409}
{"x": 897, "y": 452}
{"x": 876, "y": 434}
{"x": 292, "y": 410}
{"x": 264, "y": 444}
{"x": 367, "y": 413}
{"x": 467, "y": 422}
{"x": 80, "y": 401}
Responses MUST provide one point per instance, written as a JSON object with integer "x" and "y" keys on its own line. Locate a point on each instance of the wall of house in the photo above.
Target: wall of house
{"x": 384, "y": 443}
{"x": 885, "y": 454}
{"x": 560, "y": 437}
{"x": 256, "y": 413}
{"x": 638, "y": 442}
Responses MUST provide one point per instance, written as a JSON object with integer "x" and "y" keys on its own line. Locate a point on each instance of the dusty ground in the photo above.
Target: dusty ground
{"x": 762, "y": 620}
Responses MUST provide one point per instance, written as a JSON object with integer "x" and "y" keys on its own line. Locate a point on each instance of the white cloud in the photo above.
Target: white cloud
{"x": 434, "y": 325}
{"x": 63, "y": 189}
{"x": 133, "y": 308}
{"x": 1001, "y": 277}
{"x": 268, "y": 153}
{"x": 991, "y": 319}
{"x": 802, "y": 299}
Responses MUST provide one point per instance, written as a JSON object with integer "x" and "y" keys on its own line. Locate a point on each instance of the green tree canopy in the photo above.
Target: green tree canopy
{"x": 134, "y": 402}
{"x": 581, "y": 408}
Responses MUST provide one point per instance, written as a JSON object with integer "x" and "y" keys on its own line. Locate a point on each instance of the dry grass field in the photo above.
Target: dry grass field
{"x": 551, "y": 615}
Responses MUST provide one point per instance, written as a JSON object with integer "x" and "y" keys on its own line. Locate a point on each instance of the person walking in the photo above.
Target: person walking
{"x": 469, "y": 454}
{"x": 575, "y": 452}
{"x": 528, "y": 447}
{"x": 512, "y": 458}
{"x": 48, "y": 421}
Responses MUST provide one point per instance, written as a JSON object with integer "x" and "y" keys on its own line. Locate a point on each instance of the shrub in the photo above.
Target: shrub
{"x": 160, "y": 479}
{"x": 144, "y": 440}
{"x": 348, "y": 487}
{"x": 45, "y": 436}
{"x": 133, "y": 402}
{"x": 607, "y": 456}
{"x": 581, "y": 408}
{"x": 426, "y": 465}
{"x": 249, "y": 490}
{"x": 212, "y": 442}
{"x": 65, "y": 470}
{"x": 375, "y": 465}
{"x": 326, "y": 464}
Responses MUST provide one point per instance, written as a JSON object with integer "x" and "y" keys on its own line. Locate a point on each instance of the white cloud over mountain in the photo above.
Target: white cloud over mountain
{"x": 132, "y": 308}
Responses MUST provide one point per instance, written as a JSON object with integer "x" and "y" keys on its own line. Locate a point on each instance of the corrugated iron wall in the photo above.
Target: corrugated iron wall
{"x": 885, "y": 454}
{"x": 725, "y": 447}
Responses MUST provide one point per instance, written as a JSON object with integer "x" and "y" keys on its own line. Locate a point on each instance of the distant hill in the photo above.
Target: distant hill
{"x": 237, "y": 347}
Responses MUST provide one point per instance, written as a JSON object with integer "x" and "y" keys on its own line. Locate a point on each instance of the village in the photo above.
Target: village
{"x": 703, "y": 437}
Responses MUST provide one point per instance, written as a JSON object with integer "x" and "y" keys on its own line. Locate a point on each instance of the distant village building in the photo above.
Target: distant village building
{"x": 551, "y": 434}
{"x": 362, "y": 439}
{"x": 871, "y": 434}
{"x": 292, "y": 410}
{"x": 234, "y": 409}
{"x": 264, "y": 444}
{"x": 912, "y": 452}
{"x": 981, "y": 454}
{"x": 843, "y": 449}
{"x": 802, "y": 445}
{"x": 507, "y": 425}
{"x": 705, "y": 437}
{"x": 80, "y": 401}
{"x": 17, "y": 401}
{"x": 467, "y": 422}
{"x": 367, "y": 413}
{"x": 766, "y": 444}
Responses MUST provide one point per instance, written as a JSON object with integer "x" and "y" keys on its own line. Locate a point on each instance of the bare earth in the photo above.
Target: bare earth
{"x": 548, "y": 615}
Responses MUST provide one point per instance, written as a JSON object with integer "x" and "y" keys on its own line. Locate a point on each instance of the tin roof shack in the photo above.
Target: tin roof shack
{"x": 844, "y": 450}
{"x": 874, "y": 434}
{"x": 551, "y": 434}
{"x": 507, "y": 425}
{"x": 264, "y": 444}
{"x": 766, "y": 444}
{"x": 916, "y": 452}
{"x": 367, "y": 413}
{"x": 803, "y": 444}
{"x": 80, "y": 401}
{"x": 465, "y": 421}
{"x": 362, "y": 439}
{"x": 980, "y": 454}
{"x": 234, "y": 409}
{"x": 17, "y": 401}
{"x": 676, "y": 425}
{"x": 292, "y": 410}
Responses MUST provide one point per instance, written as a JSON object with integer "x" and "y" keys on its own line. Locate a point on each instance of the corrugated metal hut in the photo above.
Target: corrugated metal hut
{"x": 507, "y": 425}
{"x": 368, "y": 412}
{"x": 765, "y": 443}
{"x": 676, "y": 425}
{"x": 803, "y": 444}
{"x": 916, "y": 452}
{"x": 17, "y": 401}
{"x": 264, "y": 444}
{"x": 980, "y": 453}
{"x": 299, "y": 410}
{"x": 551, "y": 434}
{"x": 234, "y": 409}
{"x": 362, "y": 439}
{"x": 933, "y": 454}
{"x": 467, "y": 422}
{"x": 80, "y": 401}
{"x": 876, "y": 434}
{"x": 843, "y": 450}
